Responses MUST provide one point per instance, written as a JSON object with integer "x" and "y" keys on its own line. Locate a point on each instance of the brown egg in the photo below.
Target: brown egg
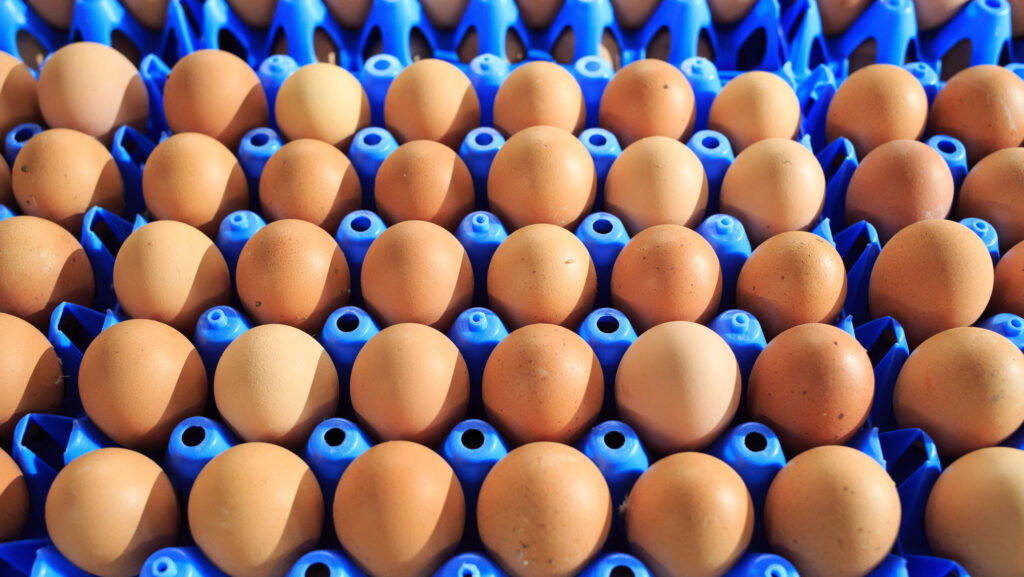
{"x": 539, "y": 93}
{"x": 431, "y": 100}
{"x": 41, "y": 266}
{"x": 424, "y": 180}
{"x": 14, "y": 498}
{"x": 18, "y": 101}
{"x": 292, "y": 272}
{"x": 417, "y": 272}
{"x": 255, "y": 509}
{"x": 324, "y": 102}
{"x": 149, "y": 13}
{"x": 444, "y": 14}
{"x": 542, "y": 174}
{"x": 729, "y": 11}
{"x": 793, "y": 278}
{"x": 755, "y": 106}
{"x": 349, "y": 13}
{"x": 994, "y": 191}
{"x": 6, "y": 195}
{"x": 964, "y": 387}
{"x": 94, "y": 89}
{"x": 542, "y": 274}
{"x": 833, "y": 511}
{"x": 61, "y": 173}
{"x": 170, "y": 272}
{"x": 215, "y": 93}
{"x": 657, "y": 180}
{"x": 876, "y": 104}
{"x": 648, "y": 98}
{"x": 678, "y": 385}
{"x": 32, "y": 380}
{"x": 193, "y": 178}
{"x": 813, "y": 385}
{"x": 633, "y": 13}
{"x": 255, "y": 13}
{"x": 689, "y": 514}
{"x": 1017, "y": 17}
{"x": 838, "y": 15}
{"x": 410, "y": 382}
{"x": 935, "y": 13}
{"x": 974, "y": 512}
{"x": 983, "y": 107}
{"x": 275, "y": 383}
{"x": 931, "y": 276}
{"x": 899, "y": 183}
{"x": 543, "y": 383}
{"x": 110, "y": 509}
{"x": 544, "y": 511}
{"x": 539, "y": 13}
{"x": 141, "y": 351}
{"x": 399, "y": 510}
{"x": 310, "y": 180}
{"x": 54, "y": 12}
{"x": 774, "y": 186}
{"x": 1008, "y": 289}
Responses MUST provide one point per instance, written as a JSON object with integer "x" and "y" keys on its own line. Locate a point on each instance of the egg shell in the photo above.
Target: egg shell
{"x": 170, "y": 272}
{"x": 94, "y": 89}
{"x": 54, "y": 12}
{"x": 417, "y": 272}
{"x": 875, "y": 105}
{"x": 41, "y": 266}
{"x": 1008, "y": 288}
{"x": 1017, "y": 17}
{"x": 897, "y": 184}
{"x": 6, "y": 194}
{"x": 792, "y": 278}
{"x": 774, "y": 186}
{"x": 150, "y": 13}
{"x": 539, "y": 13}
{"x": 994, "y": 191}
{"x": 539, "y": 93}
{"x": 109, "y": 510}
{"x": 689, "y": 514}
{"x": 838, "y": 15}
{"x": 657, "y": 180}
{"x": 542, "y": 273}
{"x": 678, "y": 385}
{"x": 544, "y": 510}
{"x": 444, "y": 14}
{"x": 729, "y": 11}
{"x": 755, "y": 106}
{"x": 410, "y": 382}
{"x": 931, "y": 276}
{"x": 542, "y": 174}
{"x": 255, "y": 13}
{"x": 19, "y": 102}
{"x": 215, "y": 93}
{"x": 31, "y": 376}
{"x": 349, "y": 13}
{"x": 431, "y": 100}
{"x": 324, "y": 102}
{"x": 935, "y": 13}
{"x": 812, "y": 385}
{"x": 543, "y": 383}
{"x": 14, "y": 498}
{"x": 633, "y": 13}
{"x": 648, "y": 98}
{"x": 255, "y": 509}
{"x": 974, "y": 512}
{"x": 563, "y": 50}
{"x": 983, "y": 107}
{"x": 424, "y": 180}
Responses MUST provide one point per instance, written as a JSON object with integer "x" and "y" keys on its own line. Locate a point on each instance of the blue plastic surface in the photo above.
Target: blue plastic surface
{"x": 703, "y": 77}
{"x": 480, "y": 233}
{"x": 154, "y": 71}
{"x": 368, "y": 150}
{"x": 715, "y": 153}
{"x": 130, "y": 149}
{"x": 376, "y": 77}
{"x": 215, "y": 330}
{"x": 393, "y": 24}
{"x": 179, "y": 38}
{"x": 742, "y": 332}
{"x": 331, "y": 448}
{"x": 1009, "y": 325}
{"x": 762, "y": 565}
{"x": 193, "y": 444}
{"x": 343, "y": 336}
{"x": 729, "y": 240}
{"x": 255, "y": 149}
{"x": 235, "y": 230}
{"x": 324, "y": 563}
{"x": 859, "y": 247}
{"x": 604, "y": 235}
{"x": 593, "y": 74}
{"x": 604, "y": 148}
{"x": 688, "y": 23}
{"x": 179, "y": 562}
{"x": 103, "y": 233}
{"x": 953, "y": 152}
{"x": 987, "y": 233}
{"x": 892, "y": 26}
{"x": 913, "y": 463}
{"x": 928, "y": 78}
{"x": 492, "y": 24}
{"x": 609, "y": 333}
{"x": 867, "y": 441}
{"x": 16, "y": 140}
{"x": 985, "y": 24}
{"x": 892, "y": 566}
{"x": 17, "y": 557}
{"x": 753, "y": 43}
{"x": 273, "y": 71}
{"x": 6, "y": 212}
{"x": 107, "y": 22}
{"x": 476, "y": 332}
{"x": 16, "y": 19}
{"x": 72, "y": 328}
{"x": 470, "y": 565}
{"x": 815, "y": 95}
{"x": 486, "y": 72}
{"x": 616, "y": 565}
{"x": 356, "y": 233}
{"x": 617, "y": 451}
{"x": 588, "y": 21}
{"x": 887, "y": 348}
{"x": 478, "y": 150}
{"x": 309, "y": 32}
{"x": 224, "y": 30}
{"x": 839, "y": 161}
{"x": 472, "y": 448}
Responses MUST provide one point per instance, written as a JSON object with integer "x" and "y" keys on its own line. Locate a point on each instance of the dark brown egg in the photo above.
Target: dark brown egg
{"x": 1008, "y": 291}
{"x": 255, "y": 13}
{"x": 876, "y": 104}
{"x": 994, "y": 191}
{"x": 324, "y": 102}
{"x": 837, "y": 15}
{"x": 18, "y": 101}
{"x": 539, "y": 13}
{"x": 6, "y": 195}
{"x": 983, "y": 107}
{"x": 32, "y": 380}
{"x": 648, "y": 98}
{"x": 539, "y": 93}
{"x": 755, "y": 106}
{"x": 14, "y": 498}
{"x": 350, "y": 13}
{"x": 56, "y": 13}
{"x": 431, "y": 100}
{"x": 310, "y": 180}
{"x": 424, "y": 180}
{"x": 149, "y": 13}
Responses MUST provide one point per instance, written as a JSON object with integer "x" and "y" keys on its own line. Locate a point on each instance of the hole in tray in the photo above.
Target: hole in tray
{"x": 592, "y": 66}
{"x": 863, "y": 55}
{"x": 162, "y": 567}
{"x": 608, "y": 324}
{"x": 193, "y": 436}
{"x": 133, "y": 149}
{"x": 419, "y": 47}
{"x": 515, "y": 48}
{"x": 880, "y": 348}
{"x": 621, "y": 571}
{"x": 710, "y": 142}
{"x": 704, "y": 46}
{"x": 374, "y": 44}
{"x": 119, "y": 41}
{"x": 956, "y": 59}
{"x": 755, "y": 442}
{"x": 44, "y": 446}
{"x": 614, "y": 440}
{"x": 382, "y": 65}
{"x": 906, "y": 464}
{"x": 469, "y": 48}
{"x": 259, "y": 139}
{"x": 1004, "y": 54}
{"x": 361, "y": 223}
{"x": 318, "y": 570}
{"x": 817, "y": 57}
{"x": 752, "y": 51}
{"x": 23, "y": 135}
{"x": 837, "y": 161}
{"x": 994, "y": 4}
{"x": 484, "y": 138}
{"x": 227, "y": 41}
{"x": 602, "y": 226}
{"x": 477, "y": 318}
{"x": 795, "y": 27}
{"x": 911, "y": 54}
{"x": 170, "y": 54}
{"x": 334, "y": 437}
{"x": 855, "y": 250}
{"x": 472, "y": 439}
{"x": 372, "y": 139}
{"x": 73, "y": 329}
{"x": 660, "y": 46}
{"x": 348, "y": 322}
{"x": 597, "y": 140}
{"x": 325, "y": 47}
{"x": 190, "y": 17}
{"x": 108, "y": 239}
{"x": 947, "y": 146}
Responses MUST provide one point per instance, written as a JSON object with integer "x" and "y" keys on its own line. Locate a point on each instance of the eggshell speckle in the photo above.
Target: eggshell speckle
{"x": 14, "y": 498}
{"x": 431, "y": 100}
{"x": 755, "y": 106}
{"x": 648, "y": 98}
{"x": 18, "y": 101}
{"x": 838, "y": 15}
{"x": 32, "y": 379}
{"x": 539, "y": 93}
{"x": 324, "y": 102}
{"x": 310, "y": 180}
{"x": 994, "y": 191}
{"x": 876, "y": 104}
{"x": 1008, "y": 291}
{"x": 983, "y": 107}
{"x": 424, "y": 180}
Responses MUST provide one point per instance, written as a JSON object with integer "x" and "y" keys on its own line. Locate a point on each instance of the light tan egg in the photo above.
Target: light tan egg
{"x": 324, "y": 102}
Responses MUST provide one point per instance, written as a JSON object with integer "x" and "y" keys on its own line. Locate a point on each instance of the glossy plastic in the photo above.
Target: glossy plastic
{"x": 179, "y": 37}
{"x": 890, "y": 23}
{"x": 487, "y": 72}
{"x": 754, "y": 42}
{"x": 478, "y": 150}
{"x": 16, "y": 18}
{"x": 72, "y": 328}
{"x": 215, "y": 330}
{"x": 892, "y": 566}
{"x": 703, "y": 77}
{"x": 742, "y": 332}
{"x": 130, "y": 149}
{"x": 368, "y": 150}
{"x": 49, "y": 562}
{"x": 593, "y": 74}
{"x": 729, "y": 240}
{"x": 914, "y": 465}
{"x": 616, "y": 565}
{"x": 954, "y": 153}
{"x": 688, "y": 23}
{"x": 604, "y": 148}
{"x": 609, "y": 333}
{"x": 839, "y": 161}
{"x": 617, "y": 451}
{"x": 480, "y": 233}
{"x": 154, "y": 71}
{"x": 859, "y": 247}
{"x": 392, "y": 24}
{"x": 273, "y": 71}
{"x": 356, "y": 233}
{"x": 309, "y": 31}
{"x": 987, "y": 233}
{"x": 715, "y": 153}
{"x": 107, "y": 22}
{"x": 325, "y": 563}
{"x": 476, "y": 332}
{"x": 985, "y": 24}
{"x": 331, "y": 448}
{"x": 194, "y": 443}
{"x": 343, "y": 336}
{"x": 588, "y": 21}
{"x": 604, "y": 235}
{"x": 815, "y": 94}
{"x": 6, "y": 212}
{"x": 256, "y": 148}
{"x": 472, "y": 448}
{"x": 17, "y": 138}
{"x": 235, "y": 230}
{"x": 493, "y": 22}
{"x": 762, "y": 565}
{"x": 222, "y": 29}
{"x": 887, "y": 348}
{"x": 376, "y": 77}
{"x": 1009, "y": 325}
{"x": 867, "y": 441}
{"x": 179, "y": 562}
{"x": 17, "y": 557}
{"x": 103, "y": 233}
{"x": 470, "y": 565}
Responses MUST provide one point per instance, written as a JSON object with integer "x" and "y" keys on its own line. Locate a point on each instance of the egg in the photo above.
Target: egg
{"x": 983, "y": 107}
{"x": 813, "y": 385}
{"x": 32, "y": 380}
{"x": 755, "y": 106}
{"x": 791, "y": 279}
{"x": 897, "y": 184}
{"x": 667, "y": 273}
{"x": 539, "y": 13}
{"x": 109, "y": 510}
{"x": 543, "y": 383}
{"x": 931, "y": 276}
{"x": 935, "y": 13}
{"x": 648, "y": 98}
{"x": 633, "y": 13}
{"x": 56, "y": 13}
{"x": 141, "y": 351}
{"x": 417, "y": 272}
{"x": 424, "y": 180}
{"x": 689, "y": 514}
{"x": 678, "y": 385}
{"x": 542, "y": 174}
{"x": 974, "y": 512}
{"x": 729, "y": 11}
{"x": 14, "y": 498}
{"x": 94, "y": 89}
{"x": 542, "y": 273}
{"x": 310, "y": 180}
{"x": 149, "y": 13}
{"x": 41, "y": 266}
{"x": 544, "y": 510}
{"x": 657, "y": 180}
{"x": 255, "y": 13}
{"x": 399, "y": 510}
{"x": 170, "y": 272}
{"x": 876, "y": 104}
{"x": 994, "y": 191}
{"x": 255, "y": 509}
{"x": 834, "y": 511}
{"x": 324, "y": 102}
{"x": 215, "y": 93}
{"x": 539, "y": 93}
{"x": 774, "y": 186}
{"x": 6, "y": 194}
{"x": 349, "y": 13}
{"x": 838, "y": 15}
{"x": 444, "y": 14}
{"x": 1008, "y": 287}
{"x": 193, "y": 178}
{"x": 1017, "y": 17}
{"x": 431, "y": 100}
{"x": 18, "y": 95}
{"x": 410, "y": 382}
